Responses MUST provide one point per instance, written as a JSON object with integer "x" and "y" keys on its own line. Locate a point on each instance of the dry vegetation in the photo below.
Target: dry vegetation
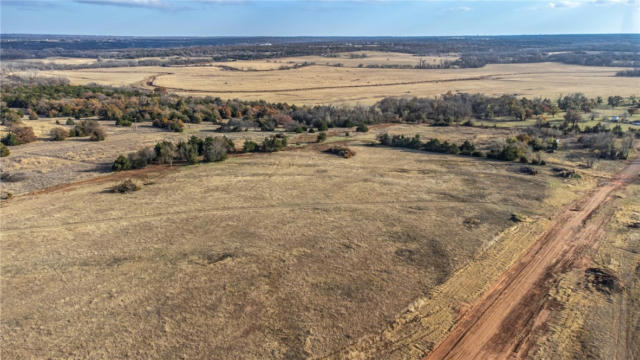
{"x": 48, "y": 163}
{"x": 301, "y": 254}
{"x": 321, "y": 84}
{"x": 598, "y": 319}
{"x": 295, "y": 253}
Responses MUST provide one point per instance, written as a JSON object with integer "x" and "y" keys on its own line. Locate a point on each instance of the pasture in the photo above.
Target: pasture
{"x": 292, "y": 254}
{"x": 350, "y": 84}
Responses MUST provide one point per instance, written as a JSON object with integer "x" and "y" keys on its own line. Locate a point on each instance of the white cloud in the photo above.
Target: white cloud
{"x": 565, "y": 4}
{"x": 577, "y": 3}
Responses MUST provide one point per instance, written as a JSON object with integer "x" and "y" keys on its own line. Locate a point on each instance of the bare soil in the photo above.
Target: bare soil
{"x": 500, "y": 324}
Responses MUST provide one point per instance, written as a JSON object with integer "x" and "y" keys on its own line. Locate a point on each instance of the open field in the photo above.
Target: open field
{"x": 390, "y": 254}
{"x": 319, "y": 84}
{"x": 291, "y": 254}
{"x": 350, "y": 59}
{"x": 47, "y": 163}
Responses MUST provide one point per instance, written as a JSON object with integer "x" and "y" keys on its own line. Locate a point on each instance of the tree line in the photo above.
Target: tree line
{"x": 127, "y": 106}
{"x": 594, "y": 50}
{"x": 194, "y": 150}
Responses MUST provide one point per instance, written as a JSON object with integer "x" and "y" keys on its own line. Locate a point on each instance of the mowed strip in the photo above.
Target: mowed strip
{"x": 500, "y": 322}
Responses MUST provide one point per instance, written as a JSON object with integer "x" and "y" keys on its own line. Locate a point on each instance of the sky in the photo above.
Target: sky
{"x": 318, "y": 17}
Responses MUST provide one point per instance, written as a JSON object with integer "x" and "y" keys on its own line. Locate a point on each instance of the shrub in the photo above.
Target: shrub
{"x": 165, "y": 152}
{"x": 510, "y": 151}
{"x": 32, "y": 114}
{"x": 273, "y": 143}
{"x": 215, "y": 149}
{"x": 125, "y": 187}
{"x": 121, "y": 163}
{"x": 321, "y": 137}
{"x": 250, "y": 146}
{"x": 97, "y": 134}
{"x": 528, "y": 170}
{"x": 141, "y": 158}
{"x": 174, "y": 125}
{"x": 58, "y": 134}
{"x": 384, "y": 139}
{"x": 566, "y": 173}
{"x": 124, "y": 122}
{"x": 343, "y": 151}
{"x": 467, "y": 148}
{"x": 9, "y": 117}
{"x": 12, "y": 177}
{"x": 19, "y": 135}
{"x": 70, "y": 121}
{"x": 89, "y": 128}
{"x": 362, "y": 127}
{"x": 4, "y": 151}
{"x": 10, "y": 140}
{"x": 187, "y": 152}
{"x": 197, "y": 143}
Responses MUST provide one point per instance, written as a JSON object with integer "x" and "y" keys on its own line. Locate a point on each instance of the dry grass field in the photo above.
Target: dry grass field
{"x": 350, "y": 59}
{"x": 289, "y": 255}
{"x": 299, "y": 253}
{"x": 48, "y": 163}
{"x": 321, "y": 84}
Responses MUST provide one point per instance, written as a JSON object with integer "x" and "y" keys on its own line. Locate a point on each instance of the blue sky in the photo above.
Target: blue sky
{"x": 318, "y": 17}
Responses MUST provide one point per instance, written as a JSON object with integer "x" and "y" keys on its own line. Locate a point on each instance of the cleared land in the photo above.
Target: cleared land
{"x": 291, "y": 254}
{"x": 517, "y": 304}
{"x": 598, "y": 321}
{"x": 320, "y": 84}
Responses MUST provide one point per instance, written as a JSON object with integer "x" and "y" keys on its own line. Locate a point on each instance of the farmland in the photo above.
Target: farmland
{"x": 349, "y": 84}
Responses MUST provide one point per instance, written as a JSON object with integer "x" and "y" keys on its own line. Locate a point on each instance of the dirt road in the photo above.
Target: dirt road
{"x": 500, "y": 324}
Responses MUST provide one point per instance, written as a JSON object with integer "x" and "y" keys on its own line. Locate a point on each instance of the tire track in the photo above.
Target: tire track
{"x": 500, "y": 323}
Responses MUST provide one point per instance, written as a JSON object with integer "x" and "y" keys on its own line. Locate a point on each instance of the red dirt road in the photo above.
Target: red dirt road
{"x": 500, "y": 324}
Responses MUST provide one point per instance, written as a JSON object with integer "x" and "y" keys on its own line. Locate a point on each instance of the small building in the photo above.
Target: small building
{"x": 615, "y": 119}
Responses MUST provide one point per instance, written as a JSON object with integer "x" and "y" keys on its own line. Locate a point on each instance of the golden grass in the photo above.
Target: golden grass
{"x": 290, "y": 254}
{"x": 320, "y": 84}
{"x": 591, "y": 324}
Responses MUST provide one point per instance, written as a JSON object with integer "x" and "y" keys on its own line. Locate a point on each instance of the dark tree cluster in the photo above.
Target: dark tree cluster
{"x": 452, "y": 108}
{"x": 433, "y": 145}
{"x": 194, "y": 150}
{"x": 629, "y": 73}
